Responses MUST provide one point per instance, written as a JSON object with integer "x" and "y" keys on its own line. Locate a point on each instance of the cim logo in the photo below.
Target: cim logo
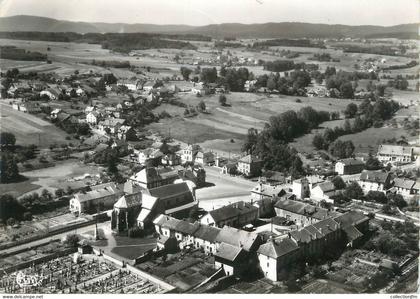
{"x": 28, "y": 280}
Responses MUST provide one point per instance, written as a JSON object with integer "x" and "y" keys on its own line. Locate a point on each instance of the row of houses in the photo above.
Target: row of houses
{"x": 234, "y": 250}
{"x": 237, "y": 251}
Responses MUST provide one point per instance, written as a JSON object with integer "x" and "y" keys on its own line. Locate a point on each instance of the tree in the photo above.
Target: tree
{"x": 7, "y": 139}
{"x": 112, "y": 165}
{"x": 185, "y": 72}
{"x": 10, "y": 207}
{"x": 346, "y": 90}
{"x": 338, "y": 183}
{"x": 46, "y": 195}
{"x": 164, "y": 148}
{"x": 222, "y": 100}
{"x": 372, "y": 163}
{"x": 251, "y": 141}
{"x": 271, "y": 83}
{"x": 27, "y": 216}
{"x": 109, "y": 78}
{"x": 353, "y": 191}
{"x": 9, "y": 171}
{"x": 351, "y": 110}
{"x": 342, "y": 149}
{"x": 59, "y": 192}
{"x": 11, "y": 221}
{"x": 202, "y": 106}
{"x": 208, "y": 75}
{"x": 72, "y": 240}
{"x": 318, "y": 142}
{"x": 397, "y": 200}
{"x": 376, "y": 196}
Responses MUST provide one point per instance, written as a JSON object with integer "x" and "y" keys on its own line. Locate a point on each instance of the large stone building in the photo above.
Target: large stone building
{"x": 173, "y": 199}
{"x": 310, "y": 242}
{"x": 125, "y": 212}
{"x": 394, "y": 153}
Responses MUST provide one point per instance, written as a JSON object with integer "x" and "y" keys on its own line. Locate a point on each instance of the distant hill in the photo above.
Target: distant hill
{"x": 266, "y": 30}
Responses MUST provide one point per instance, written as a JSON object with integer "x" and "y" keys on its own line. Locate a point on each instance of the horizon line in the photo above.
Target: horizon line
{"x": 210, "y": 24}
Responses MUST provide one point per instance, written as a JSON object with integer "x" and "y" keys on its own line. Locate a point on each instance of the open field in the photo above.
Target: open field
{"x": 215, "y": 129}
{"x": 28, "y": 128}
{"x": 17, "y": 189}
{"x": 58, "y": 176}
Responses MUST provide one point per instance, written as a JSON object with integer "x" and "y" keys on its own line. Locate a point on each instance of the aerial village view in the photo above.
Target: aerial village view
{"x": 237, "y": 158}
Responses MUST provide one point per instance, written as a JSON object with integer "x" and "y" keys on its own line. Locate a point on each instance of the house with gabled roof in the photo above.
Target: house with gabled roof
{"x": 349, "y": 166}
{"x": 275, "y": 255}
{"x": 250, "y": 165}
{"x": 93, "y": 117}
{"x": 113, "y": 124}
{"x": 301, "y": 213}
{"x": 374, "y": 180}
{"x": 232, "y": 259}
{"x": 404, "y": 187}
{"x": 52, "y": 93}
{"x": 235, "y": 215}
{"x": 152, "y": 177}
{"x": 394, "y": 153}
{"x": 101, "y": 197}
{"x": 323, "y": 192}
{"x": 150, "y": 156}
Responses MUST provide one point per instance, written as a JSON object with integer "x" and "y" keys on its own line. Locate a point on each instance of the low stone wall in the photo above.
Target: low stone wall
{"x": 49, "y": 257}
{"x": 161, "y": 283}
{"x": 49, "y": 234}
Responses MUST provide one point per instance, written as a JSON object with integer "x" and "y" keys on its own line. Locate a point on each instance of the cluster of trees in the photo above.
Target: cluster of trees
{"x": 225, "y": 44}
{"x": 398, "y": 83}
{"x": 344, "y": 82}
{"x": 112, "y": 63}
{"x": 140, "y": 115}
{"x": 279, "y": 65}
{"x": 368, "y": 115}
{"x": 396, "y": 239}
{"x": 120, "y": 42}
{"x": 9, "y": 171}
{"x": 13, "y": 53}
{"x": 271, "y": 143}
{"x": 287, "y": 43}
{"x": 377, "y": 49}
{"x": 291, "y": 84}
{"x": 410, "y": 64}
{"x": 321, "y": 57}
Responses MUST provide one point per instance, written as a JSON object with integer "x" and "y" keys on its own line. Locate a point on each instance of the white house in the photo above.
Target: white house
{"x": 51, "y": 93}
{"x": 189, "y": 153}
{"x": 92, "y": 117}
{"x": 374, "y": 180}
{"x": 274, "y": 255}
{"x": 405, "y": 187}
{"x": 204, "y": 158}
{"x": 323, "y": 191}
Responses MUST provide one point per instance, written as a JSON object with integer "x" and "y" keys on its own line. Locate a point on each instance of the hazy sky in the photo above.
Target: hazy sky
{"x": 202, "y": 12}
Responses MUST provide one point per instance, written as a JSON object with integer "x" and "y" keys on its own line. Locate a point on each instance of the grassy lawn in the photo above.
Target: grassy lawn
{"x": 17, "y": 189}
{"x": 28, "y": 128}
